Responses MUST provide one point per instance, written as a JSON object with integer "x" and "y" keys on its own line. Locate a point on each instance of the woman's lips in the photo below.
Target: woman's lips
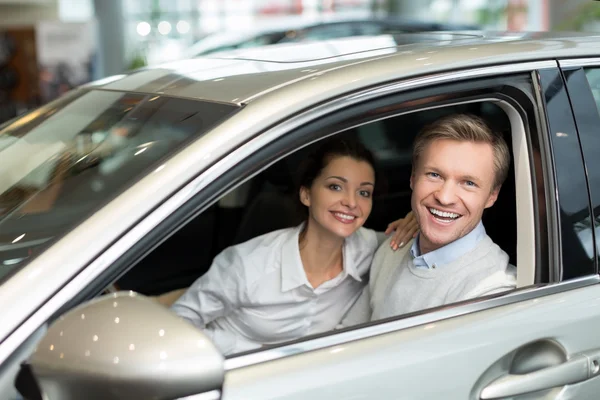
{"x": 343, "y": 217}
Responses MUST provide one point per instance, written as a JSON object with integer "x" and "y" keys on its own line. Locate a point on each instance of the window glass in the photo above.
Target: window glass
{"x": 328, "y": 32}
{"x": 63, "y": 161}
{"x": 269, "y": 203}
{"x": 593, "y": 76}
{"x": 573, "y": 200}
{"x": 368, "y": 28}
{"x": 591, "y": 144}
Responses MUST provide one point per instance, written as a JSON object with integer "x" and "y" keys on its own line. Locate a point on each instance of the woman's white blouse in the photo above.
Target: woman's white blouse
{"x": 257, "y": 292}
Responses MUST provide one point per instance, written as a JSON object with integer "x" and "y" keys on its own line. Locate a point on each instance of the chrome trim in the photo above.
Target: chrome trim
{"x": 580, "y": 62}
{"x": 423, "y": 318}
{"x": 96, "y": 267}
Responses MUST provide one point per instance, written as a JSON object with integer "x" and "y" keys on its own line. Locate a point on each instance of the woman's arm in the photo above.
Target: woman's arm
{"x": 215, "y": 294}
{"x": 402, "y": 230}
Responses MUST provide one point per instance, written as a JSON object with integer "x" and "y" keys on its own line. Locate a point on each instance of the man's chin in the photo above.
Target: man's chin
{"x": 436, "y": 240}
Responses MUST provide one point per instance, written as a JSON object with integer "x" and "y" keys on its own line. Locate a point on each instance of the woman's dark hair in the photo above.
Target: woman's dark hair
{"x": 326, "y": 151}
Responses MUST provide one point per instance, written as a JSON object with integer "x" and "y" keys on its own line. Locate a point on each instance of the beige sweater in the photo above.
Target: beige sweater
{"x": 397, "y": 287}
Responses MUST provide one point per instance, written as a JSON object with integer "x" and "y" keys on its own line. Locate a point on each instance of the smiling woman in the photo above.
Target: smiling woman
{"x": 293, "y": 282}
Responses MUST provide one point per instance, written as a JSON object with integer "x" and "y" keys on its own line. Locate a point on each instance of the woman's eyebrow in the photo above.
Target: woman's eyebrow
{"x": 338, "y": 177}
{"x": 341, "y": 178}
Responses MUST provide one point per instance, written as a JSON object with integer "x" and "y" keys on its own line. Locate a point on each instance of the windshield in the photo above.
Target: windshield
{"x": 63, "y": 161}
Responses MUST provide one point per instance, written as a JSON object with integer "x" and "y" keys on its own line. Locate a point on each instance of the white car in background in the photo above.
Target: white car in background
{"x": 302, "y": 30}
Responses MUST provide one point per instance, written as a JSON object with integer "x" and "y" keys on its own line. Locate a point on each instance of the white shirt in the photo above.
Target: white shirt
{"x": 257, "y": 292}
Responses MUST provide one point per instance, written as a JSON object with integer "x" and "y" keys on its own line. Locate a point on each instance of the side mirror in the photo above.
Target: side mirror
{"x": 123, "y": 346}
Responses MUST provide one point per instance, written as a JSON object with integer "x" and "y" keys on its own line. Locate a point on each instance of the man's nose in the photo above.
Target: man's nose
{"x": 446, "y": 194}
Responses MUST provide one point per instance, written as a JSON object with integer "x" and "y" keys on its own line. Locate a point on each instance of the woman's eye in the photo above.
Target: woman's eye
{"x": 335, "y": 187}
{"x": 365, "y": 193}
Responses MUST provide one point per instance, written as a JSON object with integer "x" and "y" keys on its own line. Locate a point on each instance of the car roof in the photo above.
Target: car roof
{"x": 243, "y": 76}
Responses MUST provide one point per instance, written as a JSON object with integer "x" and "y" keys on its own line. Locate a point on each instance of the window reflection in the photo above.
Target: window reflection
{"x": 60, "y": 163}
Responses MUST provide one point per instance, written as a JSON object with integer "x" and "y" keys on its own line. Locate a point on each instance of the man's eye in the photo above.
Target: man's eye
{"x": 365, "y": 193}
{"x": 433, "y": 175}
{"x": 470, "y": 183}
{"x": 335, "y": 187}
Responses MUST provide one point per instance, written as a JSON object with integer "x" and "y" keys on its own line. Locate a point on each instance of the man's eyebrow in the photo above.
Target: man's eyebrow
{"x": 430, "y": 167}
{"x": 471, "y": 178}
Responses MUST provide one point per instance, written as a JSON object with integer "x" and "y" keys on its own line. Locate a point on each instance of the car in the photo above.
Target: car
{"x": 311, "y": 29}
{"x": 116, "y": 196}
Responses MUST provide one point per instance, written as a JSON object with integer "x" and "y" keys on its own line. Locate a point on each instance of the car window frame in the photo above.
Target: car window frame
{"x": 105, "y": 264}
{"x": 243, "y": 171}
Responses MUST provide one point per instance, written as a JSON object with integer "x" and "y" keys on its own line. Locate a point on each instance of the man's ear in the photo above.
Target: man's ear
{"x": 493, "y": 197}
{"x": 412, "y": 176}
{"x": 304, "y": 196}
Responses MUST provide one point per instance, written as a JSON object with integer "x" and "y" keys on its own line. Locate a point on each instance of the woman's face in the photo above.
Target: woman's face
{"x": 340, "y": 198}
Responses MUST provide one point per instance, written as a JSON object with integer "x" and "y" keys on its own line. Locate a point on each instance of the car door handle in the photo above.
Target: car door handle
{"x": 579, "y": 368}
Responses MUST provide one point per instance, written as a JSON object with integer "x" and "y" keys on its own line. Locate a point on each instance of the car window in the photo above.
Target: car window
{"x": 328, "y": 32}
{"x": 370, "y": 28}
{"x": 268, "y": 203}
{"x": 62, "y": 162}
{"x": 593, "y": 77}
{"x": 577, "y": 246}
{"x": 587, "y": 124}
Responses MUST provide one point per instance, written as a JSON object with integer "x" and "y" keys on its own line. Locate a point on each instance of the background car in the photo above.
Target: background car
{"x": 300, "y": 30}
{"x": 133, "y": 184}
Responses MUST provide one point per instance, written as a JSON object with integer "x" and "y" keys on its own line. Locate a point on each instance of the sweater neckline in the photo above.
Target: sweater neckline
{"x": 465, "y": 259}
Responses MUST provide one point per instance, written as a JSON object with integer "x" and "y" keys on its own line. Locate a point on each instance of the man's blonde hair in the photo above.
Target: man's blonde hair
{"x": 465, "y": 128}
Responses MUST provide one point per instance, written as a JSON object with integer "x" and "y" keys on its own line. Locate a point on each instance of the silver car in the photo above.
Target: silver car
{"x": 115, "y": 197}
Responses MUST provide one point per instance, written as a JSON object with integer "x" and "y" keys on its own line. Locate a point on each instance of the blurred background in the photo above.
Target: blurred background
{"x": 50, "y": 46}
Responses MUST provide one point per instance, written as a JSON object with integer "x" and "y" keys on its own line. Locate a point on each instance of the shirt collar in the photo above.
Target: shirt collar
{"x": 448, "y": 253}
{"x": 292, "y": 270}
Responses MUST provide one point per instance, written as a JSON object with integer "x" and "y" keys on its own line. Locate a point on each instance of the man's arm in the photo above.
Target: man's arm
{"x": 360, "y": 312}
{"x": 499, "y": 282}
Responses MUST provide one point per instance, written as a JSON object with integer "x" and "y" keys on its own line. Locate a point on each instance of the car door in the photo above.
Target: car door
{"x": 537, "y": 342}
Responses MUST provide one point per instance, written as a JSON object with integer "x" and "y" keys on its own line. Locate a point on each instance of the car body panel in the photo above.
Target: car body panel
{"x": 422, "y": 362}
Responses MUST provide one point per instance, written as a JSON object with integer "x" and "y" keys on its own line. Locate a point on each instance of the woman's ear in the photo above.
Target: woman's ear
{"x": 304, "y": 196}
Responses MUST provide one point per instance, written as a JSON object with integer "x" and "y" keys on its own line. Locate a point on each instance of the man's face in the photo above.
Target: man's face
{"x": 452, "y": 185}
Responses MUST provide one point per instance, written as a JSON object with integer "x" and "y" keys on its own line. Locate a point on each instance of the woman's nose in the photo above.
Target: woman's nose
{"x": 349, "y": 200}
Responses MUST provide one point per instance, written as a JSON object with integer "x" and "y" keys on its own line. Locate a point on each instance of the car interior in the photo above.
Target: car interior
{"x": 267, "y": 202}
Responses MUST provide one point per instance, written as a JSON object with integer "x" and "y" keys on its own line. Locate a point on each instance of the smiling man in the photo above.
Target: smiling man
{"x": 459, "y": 165}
